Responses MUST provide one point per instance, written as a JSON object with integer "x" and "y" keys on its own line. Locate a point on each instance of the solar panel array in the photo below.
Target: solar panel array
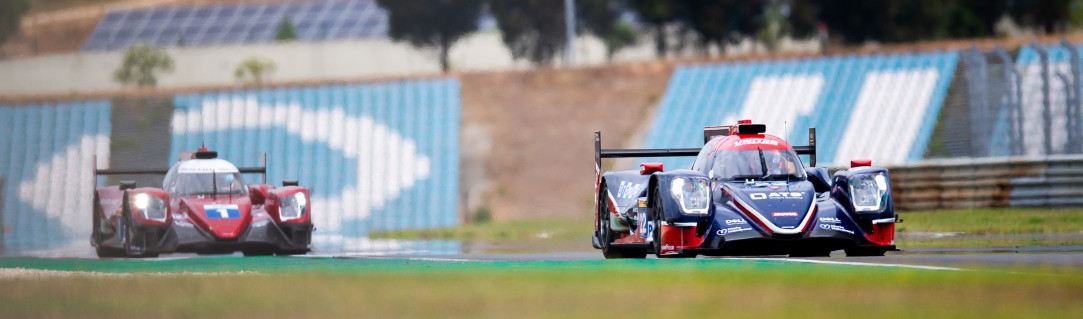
{"x": 223, "y": 24}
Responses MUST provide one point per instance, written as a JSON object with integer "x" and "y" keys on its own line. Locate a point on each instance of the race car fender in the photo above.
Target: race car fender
{"x": 672, "y": 209}
{"x": 865, "y": 192}
{"x": 622, "y": 190}
{"x": 290, "y": 204}
{"x": 148, "y": 206}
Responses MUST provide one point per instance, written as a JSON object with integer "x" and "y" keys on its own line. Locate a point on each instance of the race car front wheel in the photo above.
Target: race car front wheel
{"x": 133, "y": 239}
{"x": 657, "y": 215}
{"x": 606, "y": 234}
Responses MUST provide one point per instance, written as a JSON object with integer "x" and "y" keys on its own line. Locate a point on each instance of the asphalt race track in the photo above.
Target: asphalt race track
{"x": 960, "y": 258}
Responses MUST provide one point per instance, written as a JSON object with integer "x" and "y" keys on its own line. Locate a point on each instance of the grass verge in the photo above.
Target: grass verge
{"x": 614, "y": 288}
{"x": 993, "y": 227}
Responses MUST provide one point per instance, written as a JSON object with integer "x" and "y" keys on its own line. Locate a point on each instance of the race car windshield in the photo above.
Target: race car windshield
{"x": 205, "y": 183}
{"x": 758, "y": 165}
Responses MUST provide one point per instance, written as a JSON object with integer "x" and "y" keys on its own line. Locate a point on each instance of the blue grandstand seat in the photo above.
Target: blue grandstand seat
{"x": 216, "y": 24}
{"x": 895, "y": 99}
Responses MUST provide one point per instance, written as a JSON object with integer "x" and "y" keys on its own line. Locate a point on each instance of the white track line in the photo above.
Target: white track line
{"x": 849, "y": 263}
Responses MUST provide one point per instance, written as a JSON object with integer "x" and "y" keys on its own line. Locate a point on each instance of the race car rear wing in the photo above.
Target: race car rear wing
{"x": 708, "y": 133}
{"x": 262, "y": 170}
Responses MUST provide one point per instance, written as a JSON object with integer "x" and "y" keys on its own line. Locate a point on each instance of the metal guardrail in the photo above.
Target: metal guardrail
{"x": 1053, "y": 181}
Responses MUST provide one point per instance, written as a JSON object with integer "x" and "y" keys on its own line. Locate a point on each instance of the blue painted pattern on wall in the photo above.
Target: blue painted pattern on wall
{"x": 375, "y": 156}
{"x": 47, "y": 171}
{"x": 880, "y": 107}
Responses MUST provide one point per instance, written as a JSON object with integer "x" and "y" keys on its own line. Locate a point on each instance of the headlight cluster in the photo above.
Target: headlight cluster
{"x": 293, "y": 206}
{"x": 152, "y": 207}
{"x": 868, "y": 192}
{"x": 693, "y": 194}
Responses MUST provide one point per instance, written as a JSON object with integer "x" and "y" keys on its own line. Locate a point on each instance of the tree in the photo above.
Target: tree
{"x": 140, "y": 65}
{"x": 432, "y": 23}
{"x": 286, "y": 32}
{"x": 532, "y": 29}
{"x": 254, "y": 67}
{"x": 1047, "y": 14}
{"x": 657, "y": 14}
{"x": 11, "y": 15}
{"x": 773, "y": 28}
{"x": 723, "y": 22}
{"x": 621, "y": 36}
{"x": 602, "y": 18}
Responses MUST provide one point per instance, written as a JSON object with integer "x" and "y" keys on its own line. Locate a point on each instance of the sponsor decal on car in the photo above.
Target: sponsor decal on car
{"x": 732, "y": 230}
{"x": 221, "y": 211}
{"x": 832, "y": 220}
{"x": 738, "y": 221}
{"x": 629, "y": 190}
{"x": 761, "y": 141}
{"x": 777, "y": 195}
{"x": 785, "y": 214}
{"x": 836, "y": 228}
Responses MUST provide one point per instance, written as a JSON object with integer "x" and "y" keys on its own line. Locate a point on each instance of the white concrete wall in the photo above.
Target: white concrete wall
{"x": 213, "y": 66}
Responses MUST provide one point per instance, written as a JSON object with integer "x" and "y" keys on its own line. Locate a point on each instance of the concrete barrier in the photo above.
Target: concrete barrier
{"x": 1055, "y": 181}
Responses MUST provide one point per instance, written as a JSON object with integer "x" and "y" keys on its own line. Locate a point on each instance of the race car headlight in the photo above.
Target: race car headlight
{"x": 692, "y": 194}
{"x": 293, "y": 206}
{"x": 152, "y": 207}
{"x": 869, "y": 192}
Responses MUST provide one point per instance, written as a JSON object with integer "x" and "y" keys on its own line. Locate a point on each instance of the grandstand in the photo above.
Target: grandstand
{"x": 241, "y": 23}
{"x": 880, "y": 107}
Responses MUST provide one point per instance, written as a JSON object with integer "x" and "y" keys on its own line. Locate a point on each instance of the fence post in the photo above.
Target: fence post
{"x": 1015, "y": 100}
{"x": 1071, "y": 109}
{"x": 1014, "y": 94}
{"x": 977, "y": 83}
{"x": 1047, "y": 120}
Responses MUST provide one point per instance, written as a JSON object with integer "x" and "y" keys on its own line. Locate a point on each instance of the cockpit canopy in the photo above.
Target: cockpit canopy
{"x": 204, "y": 177}
{"x": 751, "y": 157}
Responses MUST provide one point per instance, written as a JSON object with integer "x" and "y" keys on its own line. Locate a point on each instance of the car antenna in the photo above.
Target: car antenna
{"x": 202, "y": 140}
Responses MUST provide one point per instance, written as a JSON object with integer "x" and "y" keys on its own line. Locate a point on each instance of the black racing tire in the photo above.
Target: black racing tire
{"x": 606, "y": 234}
{"x": 865, "y": 252}
{"x": 657, "y": 215}
{"x": 96, "y": 222}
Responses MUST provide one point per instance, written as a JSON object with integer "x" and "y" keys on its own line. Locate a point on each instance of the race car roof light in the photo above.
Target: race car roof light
{"x": 649, "y": 168}
{"x": 744, "y": 122}
{"x": 749, "y": 129}
{"x": 204, "y": 154}
{"x": 860, "y": 163}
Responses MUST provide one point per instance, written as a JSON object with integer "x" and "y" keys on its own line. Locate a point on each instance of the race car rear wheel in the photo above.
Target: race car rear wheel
{"x": 96, "y": 234}
{"x": 96, "y": 224}
{"x": 606, "y": 234}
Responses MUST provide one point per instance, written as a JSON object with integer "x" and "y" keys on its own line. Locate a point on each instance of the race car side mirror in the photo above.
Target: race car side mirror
{"x": 289, "y": 182}
{"x": 258, "y": 193}
{"x": 127, "y": 185}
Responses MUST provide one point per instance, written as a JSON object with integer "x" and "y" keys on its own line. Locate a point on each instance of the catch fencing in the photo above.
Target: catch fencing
{"x": 1027, "y": 106}
{"x": 1053, "y": 181}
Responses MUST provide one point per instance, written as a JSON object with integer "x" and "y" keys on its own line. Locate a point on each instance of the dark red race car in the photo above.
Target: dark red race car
{"x": 204, "y": 206}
